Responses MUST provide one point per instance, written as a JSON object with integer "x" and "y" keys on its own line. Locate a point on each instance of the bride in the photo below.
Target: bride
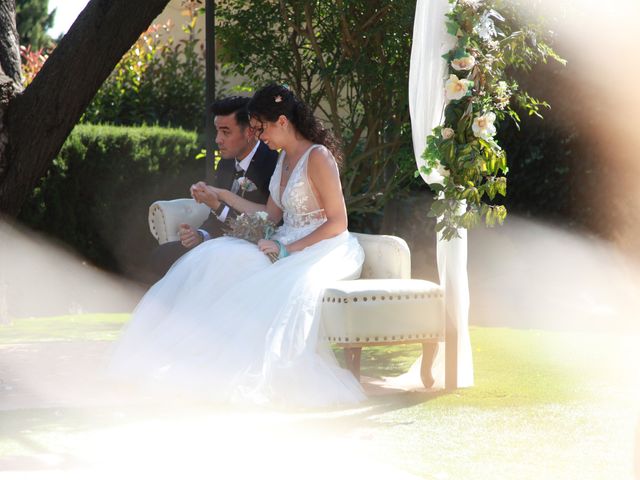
{"x": 227, "y": 323}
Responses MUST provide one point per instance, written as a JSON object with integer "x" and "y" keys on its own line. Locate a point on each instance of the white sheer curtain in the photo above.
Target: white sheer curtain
{"x": 426, "y": 104}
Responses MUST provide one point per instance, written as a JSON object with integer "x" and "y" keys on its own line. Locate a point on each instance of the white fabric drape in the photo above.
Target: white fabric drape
{"x": 427, "y": 74}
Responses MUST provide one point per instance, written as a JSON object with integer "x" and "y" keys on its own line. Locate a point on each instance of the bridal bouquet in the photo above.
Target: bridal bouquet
{"x": 252, "y": 227}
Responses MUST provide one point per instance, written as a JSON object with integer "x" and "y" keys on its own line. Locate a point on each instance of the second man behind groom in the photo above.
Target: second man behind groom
{"x": 246, "y": 166}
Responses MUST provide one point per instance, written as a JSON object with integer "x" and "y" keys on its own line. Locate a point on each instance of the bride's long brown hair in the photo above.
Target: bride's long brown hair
{"x": 273, "y": 100}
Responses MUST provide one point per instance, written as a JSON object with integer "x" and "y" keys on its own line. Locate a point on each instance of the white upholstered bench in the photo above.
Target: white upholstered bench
{"x": 384, "y": 307}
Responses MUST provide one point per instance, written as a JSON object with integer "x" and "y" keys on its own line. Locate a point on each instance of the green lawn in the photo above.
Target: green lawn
{"x": 92, "y": 327}
{"x": 545, "y": 405}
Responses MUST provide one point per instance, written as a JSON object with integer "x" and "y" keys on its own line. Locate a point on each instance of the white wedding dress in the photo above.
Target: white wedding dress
{"x": 227, "y": 324}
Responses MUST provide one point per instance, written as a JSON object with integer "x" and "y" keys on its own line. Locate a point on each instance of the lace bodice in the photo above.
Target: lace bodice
{"x": 300, "y": 207}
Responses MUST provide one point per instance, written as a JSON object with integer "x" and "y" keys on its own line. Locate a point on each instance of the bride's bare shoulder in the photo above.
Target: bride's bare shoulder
{"x": 321, "y": 158}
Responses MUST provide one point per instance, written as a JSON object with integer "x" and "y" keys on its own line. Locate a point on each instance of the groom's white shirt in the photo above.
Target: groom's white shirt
{"x": 240, "y": 165}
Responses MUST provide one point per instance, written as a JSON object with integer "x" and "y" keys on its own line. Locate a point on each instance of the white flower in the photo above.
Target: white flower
{"x": 502, "y": 94}
{"x": 471, "y": 3}
{"x": 464, "y": 63}
{"x": 486, "y": 27}
{"x": 447, "y": 133}
{"x": 483, "y": 126}
{"x": 246, "y": 185}
{"x": 262, "y": 216}
{"x": 456, "y": 88}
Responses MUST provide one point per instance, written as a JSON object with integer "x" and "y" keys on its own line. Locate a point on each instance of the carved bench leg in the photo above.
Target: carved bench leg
{"x": 429, "y": 350}
{"x": 352, "y": 359}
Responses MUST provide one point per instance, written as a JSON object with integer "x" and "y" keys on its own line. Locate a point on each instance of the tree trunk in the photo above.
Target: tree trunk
{"x": 9, "y": 71}
{"x": 39, "y": 119}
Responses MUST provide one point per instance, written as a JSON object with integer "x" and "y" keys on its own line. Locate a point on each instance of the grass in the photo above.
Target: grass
{"x": 545, "y": 405}
{"x": 87, "y": 327}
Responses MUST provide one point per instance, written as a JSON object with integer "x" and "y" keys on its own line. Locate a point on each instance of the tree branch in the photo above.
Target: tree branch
{"x": 332, "y": 96}
{"x": 9, "y": 42}
{"x": 41, "y": 118}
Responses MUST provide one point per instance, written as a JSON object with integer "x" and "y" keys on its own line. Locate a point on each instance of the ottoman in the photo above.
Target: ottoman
{"x": 365, "y": 312}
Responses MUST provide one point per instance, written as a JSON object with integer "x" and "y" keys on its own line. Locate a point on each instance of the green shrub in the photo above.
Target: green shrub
{"x": 160, "y": 80}
{"x": 96, "y": 195}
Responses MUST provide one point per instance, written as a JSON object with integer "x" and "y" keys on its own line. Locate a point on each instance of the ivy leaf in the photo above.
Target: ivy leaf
{"x": 501, "y": 213}
{"x": 469, "y": 219}
{"x": 438, "y": 207}
{"x": 489, "y": 218}
{"x": 452, "y": 27}
{"x": 460, "y": 53}
{"x": 490, "y": 190}
{"x": 501, "y": 186}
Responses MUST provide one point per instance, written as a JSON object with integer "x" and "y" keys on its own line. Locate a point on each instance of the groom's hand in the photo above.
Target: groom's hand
{"x": 188, "y": 236}
{"x": 203, "y": 193}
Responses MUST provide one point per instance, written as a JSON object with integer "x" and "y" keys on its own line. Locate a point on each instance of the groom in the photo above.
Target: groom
{"x": 245, "y": 168}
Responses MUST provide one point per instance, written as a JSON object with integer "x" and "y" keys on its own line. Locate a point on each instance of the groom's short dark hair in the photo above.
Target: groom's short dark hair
{"x": 229, "y": 105}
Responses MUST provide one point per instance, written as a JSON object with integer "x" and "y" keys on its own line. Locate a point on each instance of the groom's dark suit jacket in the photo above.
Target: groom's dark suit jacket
{"x": 259, "y": 172}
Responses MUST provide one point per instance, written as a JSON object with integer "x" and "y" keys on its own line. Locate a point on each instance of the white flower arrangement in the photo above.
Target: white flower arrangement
{"x": 447, "y": 133}
{"x": 483, "y": 126}
{"x": 471, "y": 3}
{"x": 478, "y": 93}
{"x": 456, "y": 88}
{"x": 464, "y": 63}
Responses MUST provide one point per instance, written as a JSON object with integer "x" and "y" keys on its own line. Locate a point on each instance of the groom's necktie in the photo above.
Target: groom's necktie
{"x": 239, "y": 173}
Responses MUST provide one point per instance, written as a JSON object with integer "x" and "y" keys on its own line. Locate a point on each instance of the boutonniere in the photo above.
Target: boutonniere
{"x": 246, "y": 185}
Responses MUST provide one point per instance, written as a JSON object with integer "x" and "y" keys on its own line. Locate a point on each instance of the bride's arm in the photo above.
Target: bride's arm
{"x": 325, "y": 177}
{"x": 243, "y": 205}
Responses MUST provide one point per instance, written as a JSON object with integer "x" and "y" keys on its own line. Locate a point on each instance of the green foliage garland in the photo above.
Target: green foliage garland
{"x": 480, "y": 92}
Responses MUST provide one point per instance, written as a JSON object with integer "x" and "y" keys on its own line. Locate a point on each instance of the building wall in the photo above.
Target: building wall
{"x": 178, "y": 14}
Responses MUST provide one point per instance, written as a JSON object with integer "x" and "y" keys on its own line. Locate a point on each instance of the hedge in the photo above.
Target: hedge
{"x": 96, "y": 194}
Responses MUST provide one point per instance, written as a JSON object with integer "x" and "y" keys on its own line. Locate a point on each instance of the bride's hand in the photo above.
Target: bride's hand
{"x": 220, "y": 193}
{"x": 268, "y": 246}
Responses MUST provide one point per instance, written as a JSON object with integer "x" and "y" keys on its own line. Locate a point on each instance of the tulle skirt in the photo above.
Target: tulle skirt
{"x": 227, "y": 324}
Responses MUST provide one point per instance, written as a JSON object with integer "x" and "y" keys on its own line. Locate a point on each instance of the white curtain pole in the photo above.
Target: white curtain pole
{"x": 427, "y": 74}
